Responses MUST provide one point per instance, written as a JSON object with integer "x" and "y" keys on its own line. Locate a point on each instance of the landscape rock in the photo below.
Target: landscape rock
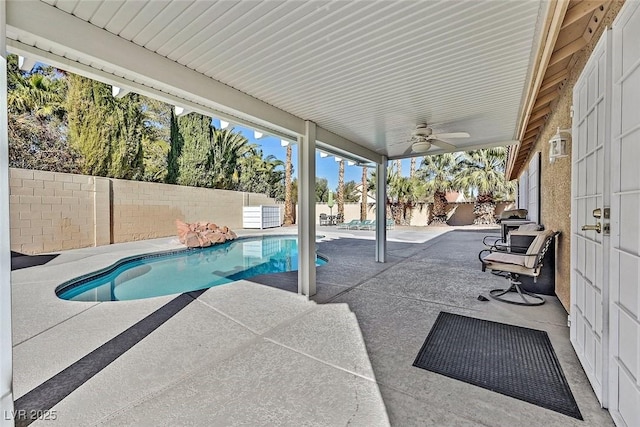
{"x": 202, "y": 234}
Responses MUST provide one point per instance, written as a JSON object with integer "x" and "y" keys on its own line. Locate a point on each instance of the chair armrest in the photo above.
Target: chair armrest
{"x": 490, "y": 240}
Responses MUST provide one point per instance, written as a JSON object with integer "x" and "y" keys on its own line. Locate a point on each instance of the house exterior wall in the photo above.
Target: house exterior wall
{"x": 51, "y": 211}
{"x": 555, "y": 178}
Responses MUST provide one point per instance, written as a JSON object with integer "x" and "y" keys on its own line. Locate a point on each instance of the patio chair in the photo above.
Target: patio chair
{"x": 391, "y": 224}
{"x": 347, "y": 225}
{"x": 324, "y": 219}
{"x": 367, "y": 224}
{"x": 495, "y": 240}
{"x": 339, "y": 219}
{"x": 370, "y": 226}
{"x": 513, "y": 264}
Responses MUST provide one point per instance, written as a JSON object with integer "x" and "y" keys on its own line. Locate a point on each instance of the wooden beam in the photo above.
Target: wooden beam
{"x": 546, "y": 99}
{"x": 594, "y": 23}
{"x": 536, "y": 124}
{"x": 530, "y": 134}
{"x": 551, "y": 81}
{"x": 540, "y": 113}
{"x": 567, "y": 51}
{"x": 579, "y": 11}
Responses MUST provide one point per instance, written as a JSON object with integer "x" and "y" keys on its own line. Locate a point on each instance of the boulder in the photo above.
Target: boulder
{"x": 202, "y": 234}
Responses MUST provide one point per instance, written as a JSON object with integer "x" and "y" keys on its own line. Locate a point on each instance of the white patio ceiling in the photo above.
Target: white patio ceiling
{"x": 367, "y": 71}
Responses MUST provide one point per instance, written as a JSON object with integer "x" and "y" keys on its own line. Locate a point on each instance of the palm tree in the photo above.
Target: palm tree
{"x": 364, "y": 194}
{"x": 405, "y": 194}
{"x": 438, "y": 173}
{"x": 289, "y": 203}
{"x": 412, "y": 167}
{"x": 259, "y": 174}
{"x": 37, "y": 94}
{"x": 482, "y": 172}
{"x": 351, "y": 192}
{"x": 226, "y": 148}
{"x": 340, "y": 193}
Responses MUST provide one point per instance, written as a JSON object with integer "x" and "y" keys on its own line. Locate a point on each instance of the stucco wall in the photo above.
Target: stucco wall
{"x": 555, "y": 193}
{"x": 56, "y": 211}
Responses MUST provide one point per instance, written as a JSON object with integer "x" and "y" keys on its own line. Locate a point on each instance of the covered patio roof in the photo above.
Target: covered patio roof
{"x": 365, "y": 72}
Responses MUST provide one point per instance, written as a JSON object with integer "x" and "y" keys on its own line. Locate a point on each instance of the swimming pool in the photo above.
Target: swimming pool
{"x": 166, "y": 273}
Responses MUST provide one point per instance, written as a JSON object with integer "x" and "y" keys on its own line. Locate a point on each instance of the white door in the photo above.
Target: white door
{"x": 590, "y": 191}
{"x": 624, "y": 366}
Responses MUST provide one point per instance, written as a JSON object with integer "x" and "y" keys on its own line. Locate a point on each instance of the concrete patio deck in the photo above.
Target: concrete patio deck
{"x": 254, "y": 353}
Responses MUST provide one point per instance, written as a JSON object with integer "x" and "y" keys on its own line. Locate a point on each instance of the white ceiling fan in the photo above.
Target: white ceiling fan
{"x": 423, "y": 137}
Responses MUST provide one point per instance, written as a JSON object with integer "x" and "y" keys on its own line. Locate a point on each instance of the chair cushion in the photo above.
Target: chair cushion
{"x": 530, "y": 227}
{"x": 536, "y": 246}
{"x": 506, "y": 258}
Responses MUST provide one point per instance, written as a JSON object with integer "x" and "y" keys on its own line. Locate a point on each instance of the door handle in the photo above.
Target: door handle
{"x": 597, "y": 228}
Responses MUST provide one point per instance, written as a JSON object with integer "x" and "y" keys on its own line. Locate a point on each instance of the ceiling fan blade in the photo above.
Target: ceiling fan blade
{"x": 444, "y": 145}
{"x": 451, "y": 135}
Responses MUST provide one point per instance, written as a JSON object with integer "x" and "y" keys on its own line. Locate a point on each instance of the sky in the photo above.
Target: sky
{"x": 326, "y": 167}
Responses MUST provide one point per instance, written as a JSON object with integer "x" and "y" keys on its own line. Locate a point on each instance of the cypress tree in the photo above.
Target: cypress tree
{"x": 176, "y": 141}
{"x": 128, "y": 132}
{"x": 193, "y": 161}
{"x": 89, "y": 124}
{"x": 107, "y": 132}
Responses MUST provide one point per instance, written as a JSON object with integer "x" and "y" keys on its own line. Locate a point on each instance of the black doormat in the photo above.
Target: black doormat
{"x": 510, "y": 360}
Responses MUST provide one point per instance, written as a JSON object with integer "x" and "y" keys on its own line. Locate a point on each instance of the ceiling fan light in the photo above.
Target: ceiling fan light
{"x": 420, "y": 146}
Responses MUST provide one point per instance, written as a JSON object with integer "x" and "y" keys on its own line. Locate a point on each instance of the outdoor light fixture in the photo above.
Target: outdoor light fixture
{"x": 118, "y": 92}
{"x": 323, "y": 154}
{"x": 284, "y": 142}
{"x": 257, "y": 134}
{"x": 223, "y": 124}
{"x": 338, "y": 159}
{"x": 558, "y": 145}
{"x": 351, "y": 163}
{"x": 26, "y": 64}
{"x": 180, "y": 111}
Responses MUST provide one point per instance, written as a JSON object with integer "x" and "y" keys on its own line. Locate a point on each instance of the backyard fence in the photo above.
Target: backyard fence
{"x": 52, "y": 211}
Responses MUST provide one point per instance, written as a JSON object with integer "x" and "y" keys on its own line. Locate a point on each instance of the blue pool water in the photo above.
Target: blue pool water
{"x": 153, "y": 275}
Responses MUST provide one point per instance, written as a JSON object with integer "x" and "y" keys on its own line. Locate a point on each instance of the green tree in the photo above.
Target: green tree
{"x": 482, "y": 173}
{"x": 176, "y": 142}
{"x": 106, "y": 131}
{"x": 194, "y": 145}
{"x": 260, "y": 174}
{"x": 36, "y": 120}
{"x": 88, "y": 107}
{"x": 404, "y": 194}
{"x": 226, "y": 149}
{"x": 438, "y": 173}
{"x": 351, "y": 194}
{"x": 322, "y": 190}
{"x": 127, "y": 132}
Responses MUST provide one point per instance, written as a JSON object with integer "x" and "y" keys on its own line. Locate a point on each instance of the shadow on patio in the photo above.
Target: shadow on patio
{"x": 396, "y": 305}
{"x": 247, "y": 354}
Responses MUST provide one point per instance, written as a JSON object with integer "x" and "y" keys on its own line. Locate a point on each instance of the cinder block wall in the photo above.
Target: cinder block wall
{"x": 459, "y": 213}
{"x": 143, "y": 210}
{"x": 53, "y": 211}
{"x": 50, "y": 211}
